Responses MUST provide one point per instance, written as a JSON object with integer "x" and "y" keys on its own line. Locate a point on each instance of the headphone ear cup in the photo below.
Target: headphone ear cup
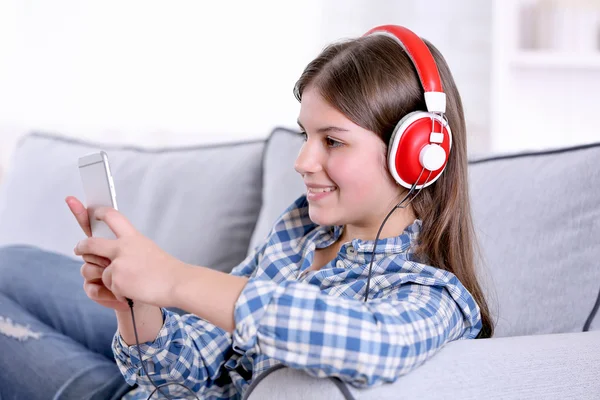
{"x": 410, "y": 149}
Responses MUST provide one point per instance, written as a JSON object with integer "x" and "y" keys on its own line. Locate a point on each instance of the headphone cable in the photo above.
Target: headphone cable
{"x": 399, "y": 205}
{"x": 590, "y": 318}
{"x": 137, "y": 343}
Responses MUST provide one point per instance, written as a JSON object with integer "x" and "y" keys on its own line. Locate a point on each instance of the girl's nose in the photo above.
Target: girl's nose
{"x": 309, "y": 159}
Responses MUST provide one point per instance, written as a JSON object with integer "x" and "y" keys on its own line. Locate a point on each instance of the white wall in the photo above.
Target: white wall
{"x": 460, "y": 29}
{"x": 149, "y": 71}
{"x": 166, "y": 73}
{"x": 545, "y": 75}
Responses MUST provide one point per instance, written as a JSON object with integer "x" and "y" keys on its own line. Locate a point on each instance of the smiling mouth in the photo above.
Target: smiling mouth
{"x": 322, "y": 190}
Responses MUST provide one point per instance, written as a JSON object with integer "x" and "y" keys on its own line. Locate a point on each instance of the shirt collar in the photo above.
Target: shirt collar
{"x": 405, "y": 242}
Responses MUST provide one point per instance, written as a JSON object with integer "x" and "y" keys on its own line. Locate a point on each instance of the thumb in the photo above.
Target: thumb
{"x": 116, "y": 221}
{"x": 107, "y": 281}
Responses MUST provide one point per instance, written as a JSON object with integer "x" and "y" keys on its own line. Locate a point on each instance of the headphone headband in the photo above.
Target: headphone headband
{"x": 422, "y": 59}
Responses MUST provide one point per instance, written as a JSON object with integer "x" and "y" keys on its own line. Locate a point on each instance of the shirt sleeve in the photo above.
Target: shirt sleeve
{"x": 187, "y": 350}
{"x": 289, "y": 222}
{"x": 247, "y": 268}
{"x": 362, "y": 343}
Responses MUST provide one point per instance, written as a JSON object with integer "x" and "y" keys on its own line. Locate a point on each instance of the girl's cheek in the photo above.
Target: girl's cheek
{"x": 342, "y": 170}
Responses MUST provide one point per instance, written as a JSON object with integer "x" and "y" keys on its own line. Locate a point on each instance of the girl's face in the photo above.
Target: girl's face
{"x": 343, "y": 167}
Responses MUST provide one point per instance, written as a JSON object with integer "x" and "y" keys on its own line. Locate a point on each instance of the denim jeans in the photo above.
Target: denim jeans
{"x": 55, "y": 343}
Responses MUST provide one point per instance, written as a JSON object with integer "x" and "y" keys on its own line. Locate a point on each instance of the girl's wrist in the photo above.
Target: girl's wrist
{"x": 148, "y": 323}
{"x": 207, "y": 293}
{"x": 180, "y": 274}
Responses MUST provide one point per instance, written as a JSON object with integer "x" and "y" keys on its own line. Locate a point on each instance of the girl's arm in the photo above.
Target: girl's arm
{"x": 148, "y": 318}
{"x": 362, "y": 343}
{"x": 184, "y": 349}
{"x": 187, "y": 350}
{"x": 209, "y": 294}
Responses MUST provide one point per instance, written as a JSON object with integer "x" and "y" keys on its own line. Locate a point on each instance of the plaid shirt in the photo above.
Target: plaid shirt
{"x": 316, "y": 321}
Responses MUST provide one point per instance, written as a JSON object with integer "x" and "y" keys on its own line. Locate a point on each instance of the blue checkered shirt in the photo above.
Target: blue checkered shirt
{"x": 315, "y": 321}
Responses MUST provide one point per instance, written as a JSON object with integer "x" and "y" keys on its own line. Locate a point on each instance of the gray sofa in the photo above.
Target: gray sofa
{"x": 537, "y": 216}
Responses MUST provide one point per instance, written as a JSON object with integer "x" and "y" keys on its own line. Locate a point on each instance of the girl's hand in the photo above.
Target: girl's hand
{"x": 138, "y": 269}
{"x": 94, "y": 265}
{"x": 96, "y": 289}
{"x": 80, "y": 213}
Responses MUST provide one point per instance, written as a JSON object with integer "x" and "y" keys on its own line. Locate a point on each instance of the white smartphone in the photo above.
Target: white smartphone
{"x": 99, "y": 190}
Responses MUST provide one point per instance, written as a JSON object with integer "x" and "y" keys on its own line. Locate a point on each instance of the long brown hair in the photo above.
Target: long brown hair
{"x": 373, "y": 82}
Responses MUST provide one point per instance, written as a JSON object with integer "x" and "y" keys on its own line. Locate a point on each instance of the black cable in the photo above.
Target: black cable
{"x": 399, "y": 205}
{"x": 590, "y": 318}
{"x": 137, "y": 343}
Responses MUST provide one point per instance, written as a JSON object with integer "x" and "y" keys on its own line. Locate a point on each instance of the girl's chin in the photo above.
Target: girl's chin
{"x": 323, "y": 209}
{"x": 321, "y": 217}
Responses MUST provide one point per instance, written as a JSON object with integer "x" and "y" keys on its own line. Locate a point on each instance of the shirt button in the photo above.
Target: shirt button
{"x": 351, "y": 250}
{"x": 339, "y": 264}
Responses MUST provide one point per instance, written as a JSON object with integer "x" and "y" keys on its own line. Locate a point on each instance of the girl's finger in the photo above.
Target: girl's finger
{"x": 98, "y": 260}
{"x": 92, "y": 272}
{"x": 80, "y": 213}
{"x": 98, "y": 246}
{"x": 98, "y": 292}
{"x": 116, "y": 221}
{"x": 107, "y": 281}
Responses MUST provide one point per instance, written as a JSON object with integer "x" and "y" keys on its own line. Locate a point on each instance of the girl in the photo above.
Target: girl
{"x": 363, "y": 278}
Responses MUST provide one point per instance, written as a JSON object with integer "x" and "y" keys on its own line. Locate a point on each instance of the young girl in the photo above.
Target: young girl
{"x": 333, "y": 290}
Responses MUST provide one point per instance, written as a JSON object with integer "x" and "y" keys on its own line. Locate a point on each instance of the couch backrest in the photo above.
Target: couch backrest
{"x": 537, "y": 218}
{"x": 536, "y": 214}
{"x": 281, "y": 183}
{"x": 198, "y": 203}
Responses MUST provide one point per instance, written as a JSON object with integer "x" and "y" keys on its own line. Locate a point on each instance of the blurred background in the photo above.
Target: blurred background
{"x": 157, "y": 73}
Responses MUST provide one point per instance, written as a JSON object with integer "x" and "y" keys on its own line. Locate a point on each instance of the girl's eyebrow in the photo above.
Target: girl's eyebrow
{"x": 326, "y": 129}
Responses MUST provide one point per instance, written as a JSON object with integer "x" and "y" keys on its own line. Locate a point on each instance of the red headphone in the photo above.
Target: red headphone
{"x": 420, "y": 144}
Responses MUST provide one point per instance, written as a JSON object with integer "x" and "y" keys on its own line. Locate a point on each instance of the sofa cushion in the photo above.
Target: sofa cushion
{"x": 199, "y": 203}
{"x": 558, "y": 366}
{"x": 537, "y": 218}
{"x": 281, "y": 183}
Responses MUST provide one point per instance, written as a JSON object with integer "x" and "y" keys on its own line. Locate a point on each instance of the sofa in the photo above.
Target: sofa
{"x": 537, "y": 219}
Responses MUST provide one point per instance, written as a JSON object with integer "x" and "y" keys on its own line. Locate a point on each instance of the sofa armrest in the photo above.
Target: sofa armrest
{"x": 554, "y": 366}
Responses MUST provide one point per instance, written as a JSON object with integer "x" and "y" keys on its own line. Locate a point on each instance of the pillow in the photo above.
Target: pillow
{"x": 281, "y": 184}
{"x": 537, "y": 219}
{"x": 199, "y": 204}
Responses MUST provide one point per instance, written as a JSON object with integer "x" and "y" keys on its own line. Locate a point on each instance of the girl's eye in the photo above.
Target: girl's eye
{"x": 333, "y": 143}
